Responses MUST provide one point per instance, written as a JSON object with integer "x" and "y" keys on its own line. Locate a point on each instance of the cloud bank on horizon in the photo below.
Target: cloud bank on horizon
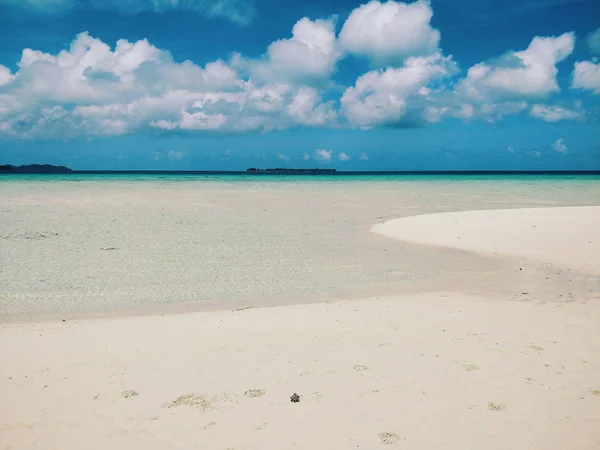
{"x": 95, "y": 88}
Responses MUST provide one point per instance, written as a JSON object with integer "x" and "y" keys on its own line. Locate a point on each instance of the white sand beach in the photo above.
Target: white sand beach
{"x": 566, "y": 237}
{"x": 499, "y": 349}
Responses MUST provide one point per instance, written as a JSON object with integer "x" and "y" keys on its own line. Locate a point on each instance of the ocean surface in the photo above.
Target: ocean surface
{"x": 87, "y": 244}
{"x": 537, "y": 176}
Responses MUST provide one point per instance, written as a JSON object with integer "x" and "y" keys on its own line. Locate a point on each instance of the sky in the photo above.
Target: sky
{"x": 350, "y": 85}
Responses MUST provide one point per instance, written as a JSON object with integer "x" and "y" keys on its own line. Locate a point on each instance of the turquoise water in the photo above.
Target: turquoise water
{"x": 286, "y": 178}
{"x": 94, "y": 243}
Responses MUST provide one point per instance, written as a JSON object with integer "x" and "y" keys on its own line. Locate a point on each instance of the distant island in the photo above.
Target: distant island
{"x": 34, "y": 168}
{"x": 283, "y": 170}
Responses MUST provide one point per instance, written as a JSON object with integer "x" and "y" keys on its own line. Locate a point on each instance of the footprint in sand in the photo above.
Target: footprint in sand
{"x": 388, "y": 438}
{"x": 596, "y": 393}
{"x": 536, "y": 349}
{"x": 470, "y": 367}
{"x": 360, "y": 368}
{"x": 203, "y": 403}
{"x": 254, "y": 393}
{"x": 129, "y": 393}
{"x": 209, "y": 425}
{"x": 193, "y": 400}
{"x": 315, "y": 396}
{"x": 496, "y": 406}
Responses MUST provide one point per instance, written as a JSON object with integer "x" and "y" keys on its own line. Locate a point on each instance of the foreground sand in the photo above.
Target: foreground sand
{"x": 510, "y": 361}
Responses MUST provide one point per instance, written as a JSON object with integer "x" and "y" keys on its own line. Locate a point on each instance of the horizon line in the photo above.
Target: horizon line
{"x": 316, "y": 173}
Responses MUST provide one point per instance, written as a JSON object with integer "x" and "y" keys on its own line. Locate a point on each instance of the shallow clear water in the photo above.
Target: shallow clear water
{"x": 308, "y": 178}
{"x": 95, "y": 243}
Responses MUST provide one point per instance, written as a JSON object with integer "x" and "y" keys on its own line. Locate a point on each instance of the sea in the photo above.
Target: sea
{"x": 94, "y": 243}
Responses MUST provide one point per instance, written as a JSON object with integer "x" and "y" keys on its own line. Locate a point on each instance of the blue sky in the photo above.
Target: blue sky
{"x": 230, "y": 84}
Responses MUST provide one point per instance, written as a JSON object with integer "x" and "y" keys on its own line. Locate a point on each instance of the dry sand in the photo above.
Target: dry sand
{"x": 568, "y": 237}
{"x": 510, "y": 360}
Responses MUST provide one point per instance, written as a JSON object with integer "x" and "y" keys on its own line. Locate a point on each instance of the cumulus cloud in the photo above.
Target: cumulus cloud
{"x": 530, "y": 73}
{"x": 5, "y": 75}
{"x": 306, "y": 157}
{"x": 323, "y": 154}
{"x": 505, "y": 85}
{"x": 593, "y": 41}
{"x": 283, "y": 157}
{"x": 586, "y": 75}
{"x": 92, "y": 89}
{"x": 391, "y": 96}
{"x": 509, "y": 149}
{"x": 560, "y": 146}
{"x": 555, "y": 113}
{"x": 391, "y": 31}
{"x": 241, "y": 12}
{"x": 343, "y": 156}
{"x": 364, "y": 157}
{"x": 308, "y": 56}
{"x": 307, "y": 108}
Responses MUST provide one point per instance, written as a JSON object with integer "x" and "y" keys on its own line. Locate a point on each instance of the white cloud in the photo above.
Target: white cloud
{"x": 530, "y": 73}
{"x": 509, "y": 149}
{"x": 554, "y": 113}
{"x": 593, "y": 41}
{"x": 309, "y": 56}
{"x": 389, "y": 32}
{"x": 172, "y": 155}
{"x": 283, "y": 157}
{"x": 343, "y": 156}
{"x": 536, "y": 154}
{"x": 91, "y": 89}
{"x": 488, "y": 111}
{"x": 493, "y": 112}
{"x": 306, "y": 108}
{"x": 200, "y": 120}
{"x": 5, "y": 75}
{"x": 241, "y": 12}
{"x": 503, "y": 86}
{"x": 586, "y": 75}
{"x": 560, "y": 146}
{"x": 175, "y": 155}
{"x": 387, "y": 97}
{"x": 364, "y": 157}
{"x": 323, "y": 154}
{"x": 306, "y": 157}
{"x": 251, "y": 108}
{"x": 136, "y": 86}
